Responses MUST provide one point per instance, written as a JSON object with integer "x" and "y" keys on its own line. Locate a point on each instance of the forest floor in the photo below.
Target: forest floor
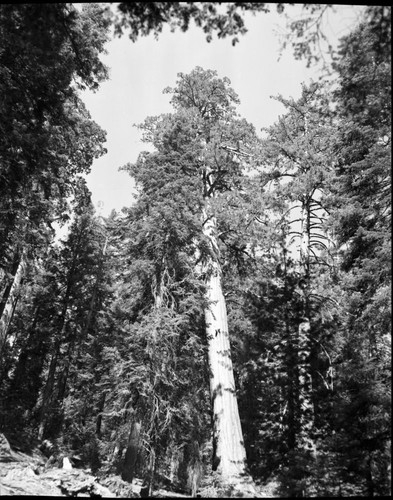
{"x": 32, "y": 474}
{"x": 25, "y": 478}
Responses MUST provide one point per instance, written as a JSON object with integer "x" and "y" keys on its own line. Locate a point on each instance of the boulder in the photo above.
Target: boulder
{"x": 76, "y": 482}
{"x": 67, "y": 464}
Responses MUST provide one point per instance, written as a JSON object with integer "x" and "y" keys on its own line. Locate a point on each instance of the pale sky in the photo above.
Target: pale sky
{"x": 140, "y": 71}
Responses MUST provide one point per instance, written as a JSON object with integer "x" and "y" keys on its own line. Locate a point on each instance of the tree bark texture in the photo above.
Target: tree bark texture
{"x": 131, "y": 453}
{"x": 229, "y": 455}
{"x": 9, "y": 301}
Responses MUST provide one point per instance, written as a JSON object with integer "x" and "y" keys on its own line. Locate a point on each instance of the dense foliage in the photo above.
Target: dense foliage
{"x": 103, "y": 339}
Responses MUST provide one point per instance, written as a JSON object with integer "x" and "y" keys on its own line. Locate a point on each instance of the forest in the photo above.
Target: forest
{"x": 228, "y": 334}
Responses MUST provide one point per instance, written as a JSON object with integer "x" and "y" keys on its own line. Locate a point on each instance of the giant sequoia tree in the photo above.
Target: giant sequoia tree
{"x": 247, "y": 272}
{"x": 196, "y": 162}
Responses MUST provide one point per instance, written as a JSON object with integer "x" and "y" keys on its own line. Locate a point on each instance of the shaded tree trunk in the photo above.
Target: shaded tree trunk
{"x": 27, "y": 373}
{"x": 63, "y": 378}
{"x": 50, "y": 380}
{"x": 194, "y": 468}
{"x": 369, "y": 476}
{"x": 101, "y": 406}
{"x": 148, "y": 484}
{"x": 306, "y": 405}
{"x": 131, "y": 452}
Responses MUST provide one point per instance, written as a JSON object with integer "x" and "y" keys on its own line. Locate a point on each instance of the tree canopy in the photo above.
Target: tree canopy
{"x": 227, "y": 333}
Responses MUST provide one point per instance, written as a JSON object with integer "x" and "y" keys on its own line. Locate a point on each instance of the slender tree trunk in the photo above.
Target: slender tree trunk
{"x": 292, "y": 399}
{"x": 194, "y": 468}
{"x": 48, "y": 390}
{"x": 50, "y": 381}
{"x": 289, "y": 422}
{"x": 148, "y": 484}
{"x": 101, "y": 407}
{"x": 131, "y": 452}
{"x": 306, "y": 406}
{"x": 63, "y": 379}
{"x": 369, "y": 476}
{"x": 229, "y": 455}
{"x": 8, "y": 303}
{"x": 28, "y": 369}
{"x": 174, "y": 464}
{"x": 152, "y": 471}
{"x": 90, "y": 314}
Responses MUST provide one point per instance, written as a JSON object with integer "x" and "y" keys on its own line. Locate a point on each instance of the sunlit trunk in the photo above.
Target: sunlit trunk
{"x": 229, "y": 455}
{"x": 9, "y": 301}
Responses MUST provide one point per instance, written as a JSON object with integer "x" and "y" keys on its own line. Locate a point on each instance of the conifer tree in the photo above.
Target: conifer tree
{"x": 360, "y": 203}
{"x": 199, "y": 157}
{"x": 49, "y": 138}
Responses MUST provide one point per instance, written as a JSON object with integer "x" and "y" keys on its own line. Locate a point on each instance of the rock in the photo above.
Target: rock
{"x": 21, "y": 480}
{"x": 67, "y": 464}
{"x": 122, "y": 488}
{"x": 76, "y": 482}
{"x": 71, "y": 486}
{"x": 22, "y": 474}
{"x": 16, "y": 474}
{"x": 101, "y": 491}
{"x": 39, "y": 469}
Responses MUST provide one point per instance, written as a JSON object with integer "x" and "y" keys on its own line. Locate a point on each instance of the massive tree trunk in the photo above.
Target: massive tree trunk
{"x": 229, "y": 455}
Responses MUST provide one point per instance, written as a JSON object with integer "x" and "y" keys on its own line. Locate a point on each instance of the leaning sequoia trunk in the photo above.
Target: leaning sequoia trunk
{"x": 229, "y": 455}
{"x": 9, "y": 301}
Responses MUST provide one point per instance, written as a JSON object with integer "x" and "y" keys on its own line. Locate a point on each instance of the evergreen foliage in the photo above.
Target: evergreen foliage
{"x": 105, "y": 347}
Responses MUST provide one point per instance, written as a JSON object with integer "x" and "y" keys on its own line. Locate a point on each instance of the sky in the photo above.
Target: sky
{"x": 139, "y": 72}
